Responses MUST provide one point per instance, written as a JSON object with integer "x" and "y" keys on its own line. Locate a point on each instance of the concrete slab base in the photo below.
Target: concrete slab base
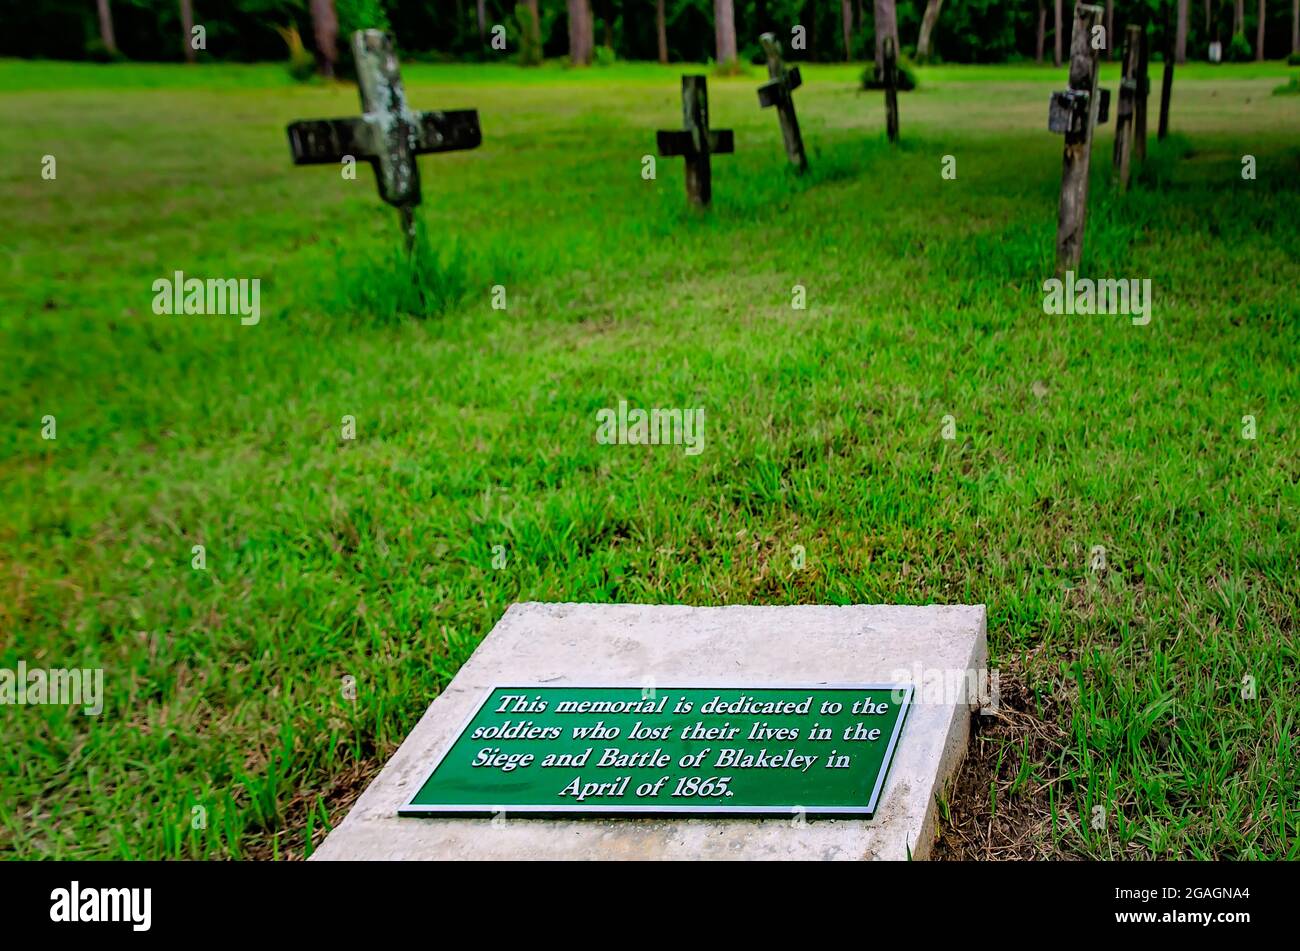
{"x": 935, "y": 647}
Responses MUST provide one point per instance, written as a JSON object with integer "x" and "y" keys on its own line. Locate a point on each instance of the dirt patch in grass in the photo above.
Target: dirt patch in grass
{"x": 338, "y": 799}
{"x": 998, "y": 808}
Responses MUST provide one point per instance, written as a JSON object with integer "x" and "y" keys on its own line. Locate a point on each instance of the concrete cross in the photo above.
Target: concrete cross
{"x": 696, "y": 141}
{"x": 388, "y": 135}
{"x": 777, "y": 92}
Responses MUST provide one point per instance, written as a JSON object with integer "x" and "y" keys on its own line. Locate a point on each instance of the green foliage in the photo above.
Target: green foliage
{"x": 1293, "y": 59}
{"x": 907, "y": 76}
{"x": 1291, "y": 88}
{"x": 530, "y": 36}
{"x": 360, "y": 15}
{"x": 967, "y": 30}
{"x": 301, "y": 65}
{"x": 1239, "y": 50}
{"x": 605, "y": 56}
{"x": 97, "y": 52}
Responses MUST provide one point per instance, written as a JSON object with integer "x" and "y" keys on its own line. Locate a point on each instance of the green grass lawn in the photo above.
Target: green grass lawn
{"x": 371, "y": 558}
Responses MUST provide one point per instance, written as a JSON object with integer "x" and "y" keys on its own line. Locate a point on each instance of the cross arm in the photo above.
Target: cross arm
{"x": 771, "y": 94}
{"x": 777, "y": 91}
{"x": 675, "y": 142}
{"x": 682, "y": 142}
{"x": 447, "y": 131}
{"x": 325, "y": 141}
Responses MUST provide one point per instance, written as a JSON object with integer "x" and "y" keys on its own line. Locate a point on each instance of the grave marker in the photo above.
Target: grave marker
{"x": 1166, "y": 89}
{"x": 778, "y": 92}
{"x": 459, "y": 786}
{"x": 1125, "y": 115}
{"x": 1075, "y": 113}
{"x": 1141, "y": 94}
{"x": 695, "y": 142}
{"x": 388, "y": 135}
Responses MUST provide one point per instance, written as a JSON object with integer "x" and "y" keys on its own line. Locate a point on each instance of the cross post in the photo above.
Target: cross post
{"x": 388, "y": 134}
{"x": 1166, "y": 90}
{"x": 1126, "y": 114}
{"x": 778, "y": 92}
{"x": 695, "y": 142}
{"x": 1143, "y": 91}
{"x": 1075, "y": 113}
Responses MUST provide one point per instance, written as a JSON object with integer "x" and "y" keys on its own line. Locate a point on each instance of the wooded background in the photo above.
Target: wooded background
{"x": 602, "y": 30}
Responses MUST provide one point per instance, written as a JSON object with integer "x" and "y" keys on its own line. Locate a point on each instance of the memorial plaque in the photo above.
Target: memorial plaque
{"x": 547, "y": 750}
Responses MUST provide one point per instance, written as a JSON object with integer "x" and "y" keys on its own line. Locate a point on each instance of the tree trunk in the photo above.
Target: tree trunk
{"x": 530, "y": 45}
{"x": 1042, "y": 32}
{"x": 661, "y": 28}
{"x": 886, "y": 25}
{"x": 325, "y": 31}
{"x": 581, "y": 32}
{"x": 1056, "y": 39}
{"x": 1295, "y": 26}
{"x": 724, "y": 29}
{"x": 106, "y": 26}
{"x": 1239, "y": 17}
{"x": 481, "y": 11}
{"x": 1180, "y": 41}
{"x": 1259, "y": 35}
{"x": 1110, "y": 29}
{"x": 846, "y": 20}
{"x": 187, "y": 30}
{"x": 928, "y": 20}
{"x": 808, "y": 17}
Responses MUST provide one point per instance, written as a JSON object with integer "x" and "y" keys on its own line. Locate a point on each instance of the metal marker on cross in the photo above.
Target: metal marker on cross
{"x": 777, "y": 92}
{"x": 388, "y": 135}
{"x": 696, "y": 141}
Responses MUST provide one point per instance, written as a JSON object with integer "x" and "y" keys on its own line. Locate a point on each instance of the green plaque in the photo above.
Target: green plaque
{"x": 749, "y": 751}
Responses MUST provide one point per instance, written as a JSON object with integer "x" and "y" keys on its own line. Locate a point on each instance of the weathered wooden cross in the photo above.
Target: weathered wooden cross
{"x": 1143, "y": 91}
{"x": 1076, "y": 113}
{"x": 388, "y": 135}
{"x": 889, "y": 57}
{"x": 696, "y": 141}
{"x": 778, "y": 92}
{"x": 1166, "y": 83}
{"x": 1125, "y": 115}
